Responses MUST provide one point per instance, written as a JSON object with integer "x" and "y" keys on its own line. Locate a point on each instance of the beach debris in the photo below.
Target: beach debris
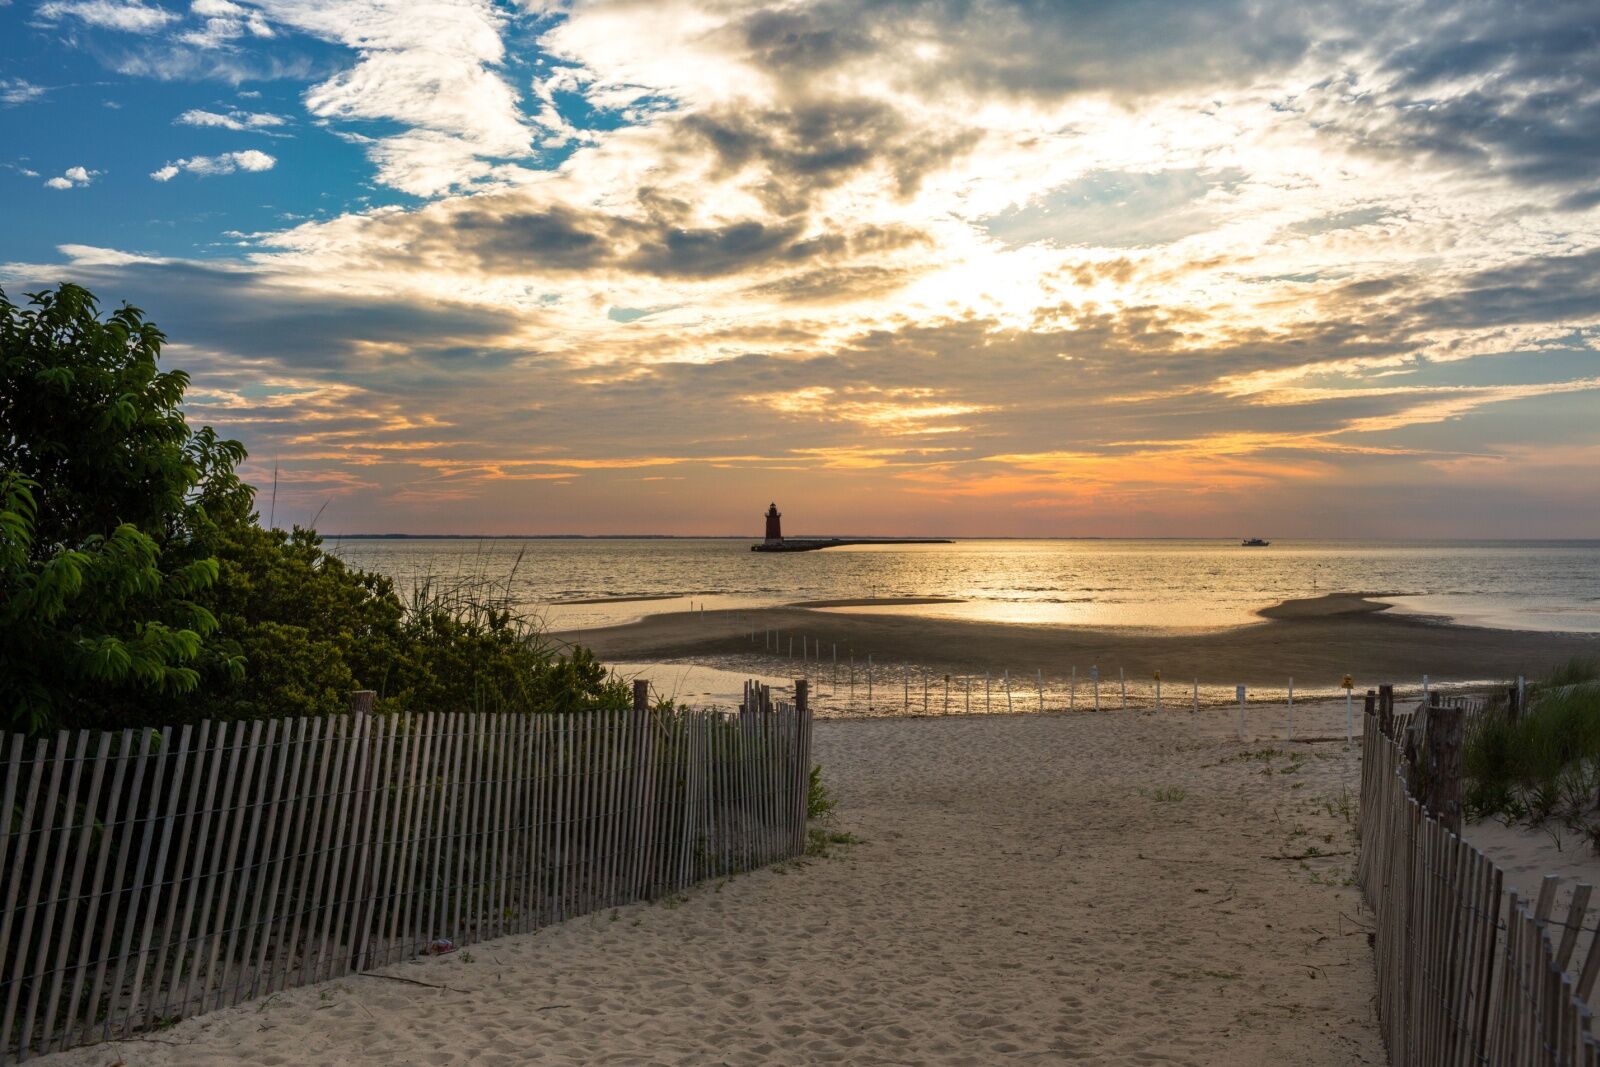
{"x": 440, "y": 945}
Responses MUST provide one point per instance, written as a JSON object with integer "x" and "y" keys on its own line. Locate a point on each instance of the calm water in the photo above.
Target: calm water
{"x": 1538, "y": 585}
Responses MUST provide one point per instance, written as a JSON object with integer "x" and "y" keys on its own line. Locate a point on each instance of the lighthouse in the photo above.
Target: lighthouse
{"x": 774, "y": 526}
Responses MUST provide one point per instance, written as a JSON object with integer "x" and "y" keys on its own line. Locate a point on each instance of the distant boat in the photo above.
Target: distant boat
{"x": 1254, "y": 542}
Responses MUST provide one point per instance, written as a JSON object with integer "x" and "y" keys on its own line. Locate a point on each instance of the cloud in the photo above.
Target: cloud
{"x": 233, "y": 120}
{"x": 128, "y": 16}
{"x": 1094, "y": 266}
{"x": 434, "y": 70}
{"x": 226, "y": 163}
{"x": 72, "y": 178}
{"x": 14, "y": 91}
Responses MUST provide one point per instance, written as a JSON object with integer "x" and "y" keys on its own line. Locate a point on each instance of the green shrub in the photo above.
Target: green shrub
{"x": 138, "y": 588}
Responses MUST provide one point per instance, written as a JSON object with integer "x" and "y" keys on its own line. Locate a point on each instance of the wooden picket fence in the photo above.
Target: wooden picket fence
{"x": 1467, "y": 972}
{"x": 150, "y": 875}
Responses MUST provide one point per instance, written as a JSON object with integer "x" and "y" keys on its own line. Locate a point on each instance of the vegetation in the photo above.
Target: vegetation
{"x": 138, "y": 587}
{"x": 1545, "y": 763}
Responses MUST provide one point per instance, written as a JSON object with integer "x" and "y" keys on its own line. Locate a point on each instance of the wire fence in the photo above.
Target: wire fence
{"x": 1467, "y": 971}
{"x": 153, "y": 874}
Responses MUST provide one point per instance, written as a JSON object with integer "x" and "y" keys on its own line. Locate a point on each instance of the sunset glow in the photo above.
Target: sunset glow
{"x": 924, "y": 266}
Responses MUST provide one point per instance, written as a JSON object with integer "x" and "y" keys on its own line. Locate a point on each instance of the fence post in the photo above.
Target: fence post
{"x": 1443, "y": 784}
{"x": 641, "y": 695}
{"x": 1386, "y": 710}
{"x": 361, "y": 701}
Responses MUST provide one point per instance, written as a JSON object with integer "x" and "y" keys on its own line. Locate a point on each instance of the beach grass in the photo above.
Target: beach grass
{"x": 1545, "y": 763}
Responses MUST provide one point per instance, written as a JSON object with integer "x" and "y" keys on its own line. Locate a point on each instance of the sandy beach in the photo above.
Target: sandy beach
{"x": 1315, "y": 640}
{"x": 1108, "y": 889}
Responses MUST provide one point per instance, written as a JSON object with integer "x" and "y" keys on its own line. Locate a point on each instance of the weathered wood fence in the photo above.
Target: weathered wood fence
{"x": 150, "y": 875}
{"x": 1467, "y": 972}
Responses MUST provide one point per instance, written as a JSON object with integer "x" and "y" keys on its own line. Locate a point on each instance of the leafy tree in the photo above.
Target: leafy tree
{"x": 137, "y": 587}
{"x": 104, "y": 527}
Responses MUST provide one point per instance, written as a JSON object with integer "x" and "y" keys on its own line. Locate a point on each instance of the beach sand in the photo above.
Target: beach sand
{"x": 1110, "y": 889}
{"x": 1317, "y": 641}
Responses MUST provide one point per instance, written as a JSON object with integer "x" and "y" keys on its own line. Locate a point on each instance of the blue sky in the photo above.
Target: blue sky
{"x": 984, "y": 266}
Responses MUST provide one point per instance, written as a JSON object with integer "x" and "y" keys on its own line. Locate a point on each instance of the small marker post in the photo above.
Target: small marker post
{"x": 869, "y": 681}
{"x": 1196, "y": 705}
{"x": 1291, "y": 707}
{"x": 1424, "y": 690}
{"x": 1349, "y": 685}
{"x": 1122, "y": 680}
{"x": 1072, "y": 693}
{"x": 1094, "y": 674}
{"x": 1038, "y": 684}
{"x": 987, "y": 705}
{"x": 1158, "y": 692}
{"x": 1007, "y": 676}
{"x": 1239, "y": 691}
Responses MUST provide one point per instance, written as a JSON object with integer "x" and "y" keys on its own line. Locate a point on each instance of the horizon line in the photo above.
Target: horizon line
{"x": 874, "y": 537}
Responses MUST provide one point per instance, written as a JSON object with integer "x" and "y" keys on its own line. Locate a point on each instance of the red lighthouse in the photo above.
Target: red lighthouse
{"x": 774, "y": 527}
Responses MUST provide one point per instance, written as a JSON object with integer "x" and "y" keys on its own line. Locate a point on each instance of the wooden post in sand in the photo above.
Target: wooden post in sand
{"x": 1158, "y": 692}
{"x": 1094, "y": 676}
{"x": 1072, "y": 693}
{"x": 1007, "y": 676}
{"x": 1239, "y": 690}
{"x": 1196, "y": 705}
{"x": 947, "y": 694}
{"x": 1386, "y": 710}
{"x": 869, "y": 681}
{"x": 1442, "y": 789}
{"x": 1038, "y": 684}
{"x": 1349, "y": 709}
{"x": 1291, "y": 707}
{"x": 986, "y": 707}
{"x": 966, "y": 681}
{"x": 1122, "y": 680}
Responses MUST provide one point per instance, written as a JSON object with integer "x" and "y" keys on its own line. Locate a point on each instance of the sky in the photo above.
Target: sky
{"x": 958, "y": 267}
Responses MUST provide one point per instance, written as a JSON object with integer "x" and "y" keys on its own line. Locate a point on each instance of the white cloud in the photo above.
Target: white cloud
{"x": 72, "y": 178}
{"x": 226, "y": 163}
{"x": 233, "y": 120}
{"x": 433, "y": 69}
{"x": 15, "y": 91}
{"x": 130, "y": 17}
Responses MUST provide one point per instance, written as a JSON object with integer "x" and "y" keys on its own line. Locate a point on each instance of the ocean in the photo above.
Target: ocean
{"x": 583, "y": 583}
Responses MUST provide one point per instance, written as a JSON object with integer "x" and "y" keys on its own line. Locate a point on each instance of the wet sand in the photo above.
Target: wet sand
{"x": 1317, "y": 640}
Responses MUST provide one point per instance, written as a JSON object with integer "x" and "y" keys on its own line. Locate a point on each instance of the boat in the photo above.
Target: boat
{"x": 1254, "y": 542}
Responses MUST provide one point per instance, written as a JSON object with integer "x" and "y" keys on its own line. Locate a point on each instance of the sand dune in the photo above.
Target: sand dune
{"x": 1111, "y": 889}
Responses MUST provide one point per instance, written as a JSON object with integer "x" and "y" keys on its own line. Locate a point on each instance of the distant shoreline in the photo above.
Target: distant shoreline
{"x": 957, "y": 538}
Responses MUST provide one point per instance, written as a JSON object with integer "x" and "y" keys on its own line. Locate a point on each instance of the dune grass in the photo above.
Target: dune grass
{"x": 1545, "y": 764}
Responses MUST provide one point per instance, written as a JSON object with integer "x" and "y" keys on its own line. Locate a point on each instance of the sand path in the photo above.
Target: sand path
{"x": 1074, "y": 888}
